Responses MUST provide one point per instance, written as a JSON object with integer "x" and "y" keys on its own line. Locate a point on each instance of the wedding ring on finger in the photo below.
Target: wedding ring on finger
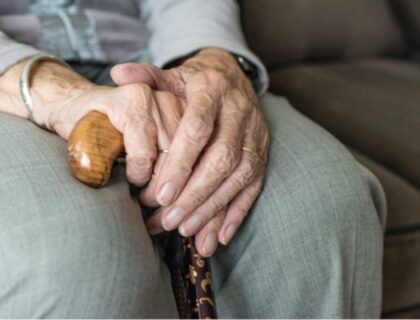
{"x": 163, "y": 150}
{"x": 252, "y": 152}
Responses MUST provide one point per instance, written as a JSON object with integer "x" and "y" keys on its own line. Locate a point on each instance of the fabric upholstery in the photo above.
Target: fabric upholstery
{"x": 371, "y": 105}
{"x": 402, "y": 242}
{"x": 408, "y": 14}
{"x": 403, "y": 199}
{"x": 282, "y": 31}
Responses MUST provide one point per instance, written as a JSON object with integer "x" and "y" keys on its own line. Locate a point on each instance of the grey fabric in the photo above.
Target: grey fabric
{"x": 116, "y": 29}
{"x": 68, "y": 250}
{"x": 311, "y": 247}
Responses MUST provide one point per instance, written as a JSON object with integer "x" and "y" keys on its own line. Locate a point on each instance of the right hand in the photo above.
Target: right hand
{"x": 61, "y": 98}
{"x": 135, "y": 111}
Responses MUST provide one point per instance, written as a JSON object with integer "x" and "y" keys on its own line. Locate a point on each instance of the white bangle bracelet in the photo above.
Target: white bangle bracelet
{"x": 24, "y": 83}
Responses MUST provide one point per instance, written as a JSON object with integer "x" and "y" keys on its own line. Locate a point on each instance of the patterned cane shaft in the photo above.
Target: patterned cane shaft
{"x": 198, "y": 282}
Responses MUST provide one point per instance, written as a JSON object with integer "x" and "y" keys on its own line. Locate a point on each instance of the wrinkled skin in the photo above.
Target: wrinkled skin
{"x": 204, "y": 111}
{"x": 134, "y": 110}
{"x": 206, "y": 184}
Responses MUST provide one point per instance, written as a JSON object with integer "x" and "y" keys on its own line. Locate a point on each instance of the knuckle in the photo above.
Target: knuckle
{"x": 242, "y": 102}
{"x": 199, "y": 130}
{"x": 135, "y": 122}
{"x": 195, "y": 198}
{"x": 218, "y": 78}
{"x": 137, "y": 91}
{"x": 224, "y": 159}
{"x": 247, "y": 172}
{"x": 181, "y": 168}
{"x": 217, "y": 221}
{"x": 215, "y": 75}
{"x": 254, "y": 190}
{"x": 257, "y": 188}
{"x": 216, "y": 205}
{"x": 139, "y": 168}
{"x": 241, "y": 213}
{"x": 237, "y": 215}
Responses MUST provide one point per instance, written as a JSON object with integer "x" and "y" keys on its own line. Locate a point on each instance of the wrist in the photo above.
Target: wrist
{"x": 215, "y": 58}
{"x": 49, "y": 83}
{"x": 52, "y": 83}
{"x": 233, "y": 66}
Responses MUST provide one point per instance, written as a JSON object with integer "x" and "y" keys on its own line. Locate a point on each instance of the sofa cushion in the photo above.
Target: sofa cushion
{"x": 370, "y": 105}
{"x": 282, "y": 31}
{"x": 401, "y": 286}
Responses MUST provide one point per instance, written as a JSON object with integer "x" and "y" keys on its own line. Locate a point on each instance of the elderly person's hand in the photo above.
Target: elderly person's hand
{"x": 215, "y": 166}
{"x": 61, "y": 97}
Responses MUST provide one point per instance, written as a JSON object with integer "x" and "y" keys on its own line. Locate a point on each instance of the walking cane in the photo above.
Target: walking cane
{"x": 93, "y": 147}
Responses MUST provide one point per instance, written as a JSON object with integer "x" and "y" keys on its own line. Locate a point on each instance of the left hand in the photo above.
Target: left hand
{"x": 208, "y": 182}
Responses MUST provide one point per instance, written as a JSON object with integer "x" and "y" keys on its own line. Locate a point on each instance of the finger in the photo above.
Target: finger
{"x": 206, "y": 240}
{"x": 192, "y": 135}
{"x": 239, "y": 209}
{"x": 147, "y": 195}
{"x": 168, "y": 80}
{"x": 167, "y": 118}
{"x": 243, "y": 175}
{"x": 134, "y": 120}
{"x": 218, "y": 162}
{"x": 154, "y": 223}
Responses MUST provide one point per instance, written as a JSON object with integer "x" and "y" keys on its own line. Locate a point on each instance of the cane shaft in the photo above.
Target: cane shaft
{"x": 198, "y": 282}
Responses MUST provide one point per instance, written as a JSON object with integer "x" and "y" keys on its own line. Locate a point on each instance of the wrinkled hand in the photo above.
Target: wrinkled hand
{"x": 207, "y": 183}
{"x": 133, "y": 109}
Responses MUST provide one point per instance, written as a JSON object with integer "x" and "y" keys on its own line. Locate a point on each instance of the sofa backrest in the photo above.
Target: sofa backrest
{"x": 408, "y": 13}
{"x": 283, "y": 31}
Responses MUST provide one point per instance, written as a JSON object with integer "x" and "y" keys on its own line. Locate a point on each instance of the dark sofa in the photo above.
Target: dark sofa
{"x": 353, "y": 66}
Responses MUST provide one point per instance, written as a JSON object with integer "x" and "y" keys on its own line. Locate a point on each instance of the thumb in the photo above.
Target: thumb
{"x": 156, "y": 78}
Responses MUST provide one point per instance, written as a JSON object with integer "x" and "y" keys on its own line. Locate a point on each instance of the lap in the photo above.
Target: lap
{"x": 317, "y": 209}
{"x": 61, "y": 239}
{"x": 69, "y": 249}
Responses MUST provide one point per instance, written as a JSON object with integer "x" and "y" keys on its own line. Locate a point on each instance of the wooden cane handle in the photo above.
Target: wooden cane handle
{"x": 93, "y": 147}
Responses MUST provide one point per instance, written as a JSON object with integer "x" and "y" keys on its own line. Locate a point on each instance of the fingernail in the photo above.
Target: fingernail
{"x": 228, "y": 234}
{"x": 171, "y": 220}
{"x": 166, "y": 194}
{"x": 210, "y": 244}
{"x": 155, "y": 231}
{"x": 192, "y": 224}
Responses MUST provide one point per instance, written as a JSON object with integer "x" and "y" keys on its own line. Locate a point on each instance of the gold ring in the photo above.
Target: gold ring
{"x": 251, "y": 151}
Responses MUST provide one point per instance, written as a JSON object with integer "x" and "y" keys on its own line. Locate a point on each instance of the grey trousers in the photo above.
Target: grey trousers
{"x": 311, "y": 247}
